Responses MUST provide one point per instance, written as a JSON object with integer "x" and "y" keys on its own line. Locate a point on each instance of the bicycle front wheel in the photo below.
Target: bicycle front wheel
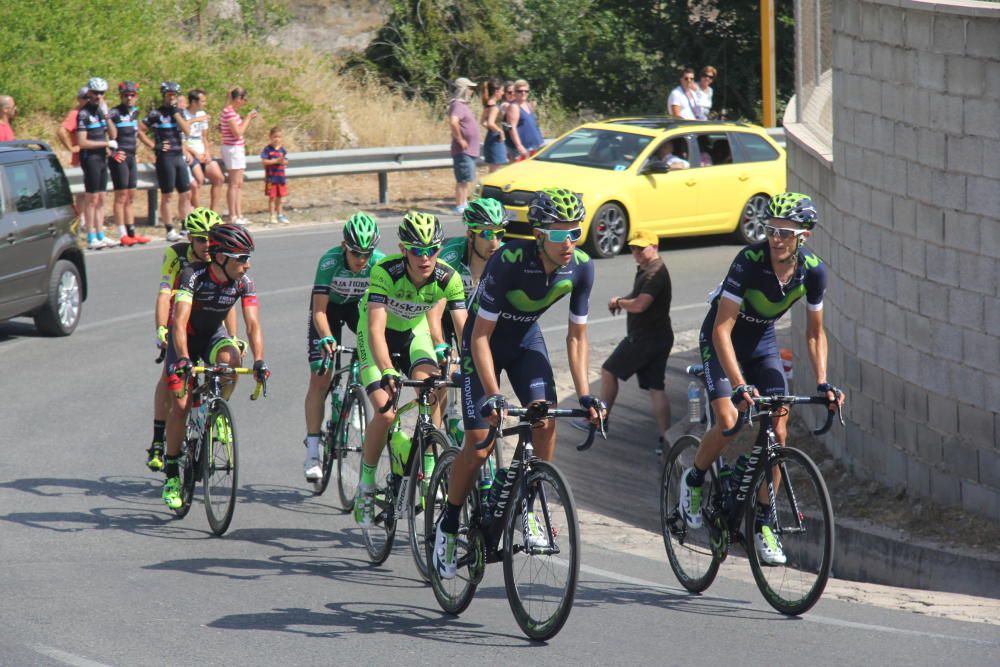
{"x": 541, "y": 552}
{"x": 803, "y": 529}
{"x": 455, "y": 594}
{"x": 220, "y": 465}
{"x": 328, "y": 444}
{"x": 433, "y": 444}
{"x": 688, "y": 549}
{"x": 379, "y": 538}
{"x": 349, "y": 444}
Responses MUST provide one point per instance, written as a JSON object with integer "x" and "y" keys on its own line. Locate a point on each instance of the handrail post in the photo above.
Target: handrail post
{"x": 383, "y": 187}
{"x": 152, "y": 201}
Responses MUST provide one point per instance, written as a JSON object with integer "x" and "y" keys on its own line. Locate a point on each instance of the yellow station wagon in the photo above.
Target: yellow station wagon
{"x": 672, "y": 177}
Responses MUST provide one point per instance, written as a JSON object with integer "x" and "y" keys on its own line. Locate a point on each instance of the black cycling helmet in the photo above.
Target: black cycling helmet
{"x": 128, "y": 87}
{"x": 170, "y": 87}
{"x": 553, "y": 205}
{"x": 230, "y": 238}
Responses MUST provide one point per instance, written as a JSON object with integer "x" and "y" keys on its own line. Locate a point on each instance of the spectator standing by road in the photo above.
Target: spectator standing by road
{"x": 494, "y": 151}
{"x": 464, "y": 141}
{"x": 682, "y": 102}
{"x": 66, "y": 133}
{"x": 122, "y": 162}
{"x": 96, "y": 136}
{"x": 703, "y": 91}
{"x": 274, "y": 158}
{"x": 168, "y": 124}
{"x": 7, "y": 112}
{"x": 234, "y": 127}
{"x": 649, "y": 336}
{"x": 197, "y": 144}
{"x": 523, "y": 138}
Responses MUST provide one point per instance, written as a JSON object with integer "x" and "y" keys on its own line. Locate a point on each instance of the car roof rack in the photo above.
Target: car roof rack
{"x": 31, "y": 144}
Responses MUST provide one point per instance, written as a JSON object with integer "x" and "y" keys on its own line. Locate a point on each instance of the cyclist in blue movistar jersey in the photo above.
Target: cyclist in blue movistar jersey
{"x": 519, "y": 284}
{"x": 739, "y": 349}
{"x": 341, "y": 281}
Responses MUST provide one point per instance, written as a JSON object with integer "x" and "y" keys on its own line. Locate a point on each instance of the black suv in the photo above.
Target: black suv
{"x": 42, "y": 273}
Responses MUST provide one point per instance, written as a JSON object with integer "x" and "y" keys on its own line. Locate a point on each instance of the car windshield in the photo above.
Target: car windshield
{"x": 614, "y": 150}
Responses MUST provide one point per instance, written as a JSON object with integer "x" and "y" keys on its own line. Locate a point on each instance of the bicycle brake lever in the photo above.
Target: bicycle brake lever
{"x": 163, "y": 354}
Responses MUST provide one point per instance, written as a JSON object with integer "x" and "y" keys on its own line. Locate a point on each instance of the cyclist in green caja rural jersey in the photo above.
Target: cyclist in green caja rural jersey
{"x": 393, "y": 319}
{"x": 341, "y": 281}
{"x": 740, "y": 351}
{"x": 520, "y": 283}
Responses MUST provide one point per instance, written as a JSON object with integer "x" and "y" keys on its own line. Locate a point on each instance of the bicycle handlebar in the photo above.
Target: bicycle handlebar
{"x": 260, "y": 388}
{"x": 163, "y": 355}
{"x": 537, "y": 412}
{"x": 327, "y": 361}
{"x": 769, "y": 403}
{"x": 429, "y": 383}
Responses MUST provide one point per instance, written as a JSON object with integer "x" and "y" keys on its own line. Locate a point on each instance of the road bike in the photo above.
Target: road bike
{"x": 342, "y": 437}
{"x": 404, "y": 470}
{"x": 801, "y": 514}
{"x": 525, "y": 517}
{"x": 210, "y": 453}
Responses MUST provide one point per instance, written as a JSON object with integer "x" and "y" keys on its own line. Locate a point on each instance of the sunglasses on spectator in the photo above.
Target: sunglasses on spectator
{"x": 422, "y": 251}
{"x": 360, "y": 254}
{"x": 523, "y": 90}
{"x": 490, "y": 234}
{"x": 560, "y": 235}
{"x": 241, "y": 258}
{"x": 688, "y": 78}
{"x": 783, "y": 233}
{"x": 708, "y": 76}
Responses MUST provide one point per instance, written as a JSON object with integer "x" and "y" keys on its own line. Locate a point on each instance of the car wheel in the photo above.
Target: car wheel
{"x": 61, "y": 313}
{"x": 751, "y": 227}
{"x": 608, "y": 231}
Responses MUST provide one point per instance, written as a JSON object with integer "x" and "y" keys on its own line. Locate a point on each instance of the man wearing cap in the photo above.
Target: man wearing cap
{"x": 7, "y": 111}
{"x": 464, "y": 141}
{"x": 645, "y": 349}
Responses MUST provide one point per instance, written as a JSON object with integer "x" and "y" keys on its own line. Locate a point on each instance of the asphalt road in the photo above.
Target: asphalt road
{"x": 96, "y": 571}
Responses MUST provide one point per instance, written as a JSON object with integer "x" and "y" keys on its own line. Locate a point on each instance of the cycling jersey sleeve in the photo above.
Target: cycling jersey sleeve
{"x": 454, "y": 291}
{"x": 734, "y": 286}
{"x": 324, "y": 272}
{"x": 186, "y": 286}
{"x": 815, "y": 282}
{"x": 168, "y": 273}
{"x": 248, "y": 292}
{"x": 379, "y": 285}
{"x": 492, "y": 291}
{"x": 579, "y": 299}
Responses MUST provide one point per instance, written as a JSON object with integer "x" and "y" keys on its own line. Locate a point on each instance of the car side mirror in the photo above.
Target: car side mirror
{"x": 655, "y": 166}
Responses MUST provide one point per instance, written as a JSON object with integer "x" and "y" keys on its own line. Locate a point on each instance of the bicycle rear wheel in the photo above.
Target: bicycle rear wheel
{"x": 327, "y": 443}
{"x": 454, "y": 595}
{"x": 190, "y": 468}
{"x": 349, "y": 443}
{"x": 541, "y": 578}
{"x": 804, "y": 529}
{"x": 688, "y": 550}
{"x": 220, "y": 467}
{"x": 379, "y": 538}
{"x": 433, "y": 444}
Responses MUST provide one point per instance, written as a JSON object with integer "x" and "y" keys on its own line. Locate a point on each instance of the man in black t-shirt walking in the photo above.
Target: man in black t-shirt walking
{"x": 646, "y": 347}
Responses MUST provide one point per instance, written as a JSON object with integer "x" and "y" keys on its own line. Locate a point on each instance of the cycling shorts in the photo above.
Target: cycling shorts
{"x": 95, "y": 170}
{"x": 172, "y": 173}
{"x": 124, "y": 174}
{"x": 415, "y": 347}
{"x": 759, "y": 360}
{"x": 337, "y": 315}
{"x": 204, "y": 348}
{"x": 528, "y": 369}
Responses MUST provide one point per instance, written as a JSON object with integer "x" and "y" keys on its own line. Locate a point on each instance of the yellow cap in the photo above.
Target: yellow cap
{"x": 643, "y": 238}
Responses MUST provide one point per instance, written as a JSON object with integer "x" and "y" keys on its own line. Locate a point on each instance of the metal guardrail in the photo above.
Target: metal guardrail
{"x": 379, "y": 161}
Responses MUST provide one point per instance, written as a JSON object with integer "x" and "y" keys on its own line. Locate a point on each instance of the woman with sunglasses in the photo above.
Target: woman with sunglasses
{"x": 122, "y": 164}
{"x": 176, "y": 258}
{"x": 341, "y": 280}
{"x": 703, "y": 90}
{"x": 393, "y": 320}
{"x": 503, "y": 334}
{"x": 740, "y": 350}
{"x": 523, "y": 138}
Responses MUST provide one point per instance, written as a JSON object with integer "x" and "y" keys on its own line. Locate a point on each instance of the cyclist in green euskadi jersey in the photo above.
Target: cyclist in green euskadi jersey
{"x": 393, "y": 319}
{"x": 520, "y": 283}
{"x": 341, "y": 281}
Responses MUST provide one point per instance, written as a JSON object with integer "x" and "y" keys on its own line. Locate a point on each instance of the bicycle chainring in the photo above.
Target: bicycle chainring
{"x": 477, "y": 556}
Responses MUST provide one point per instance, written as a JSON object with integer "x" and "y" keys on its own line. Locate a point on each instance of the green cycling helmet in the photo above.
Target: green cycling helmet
{"x": 484, "y": 212}
{"x": 201, "y": 220}
{"x": 361, "y": 232}
{"x": 420, "y": 229}
{"x": 794, "y": 207}
{"x": 553, "y": 205}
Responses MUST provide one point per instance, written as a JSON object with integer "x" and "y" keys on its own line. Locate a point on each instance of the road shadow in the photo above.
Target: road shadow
{"x": 344, "y": 619}
{"x": 292, "y": 499}
{"x": 16, "y": 329}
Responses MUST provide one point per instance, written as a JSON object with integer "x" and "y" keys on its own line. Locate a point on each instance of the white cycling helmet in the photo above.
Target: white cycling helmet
{"x": 98, "y": 85}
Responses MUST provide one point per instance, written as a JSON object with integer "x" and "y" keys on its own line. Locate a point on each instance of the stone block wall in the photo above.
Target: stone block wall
{"x": 908, "y": 188}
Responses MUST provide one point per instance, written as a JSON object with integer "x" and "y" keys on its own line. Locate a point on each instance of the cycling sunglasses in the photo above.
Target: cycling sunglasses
{"x": 198, "y": 238}
{"x": 360, "y": 254}
{"x": 560, "y": 235}
{"x": 783, "y": 233}
{"x": 242, "y": 258}
{"x": 490, "y": 234}
{"x": 422, "y": 251}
